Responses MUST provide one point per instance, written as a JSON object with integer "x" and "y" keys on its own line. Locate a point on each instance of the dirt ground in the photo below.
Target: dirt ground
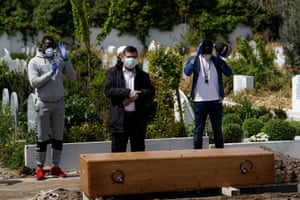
{"x": 17, "y": 186}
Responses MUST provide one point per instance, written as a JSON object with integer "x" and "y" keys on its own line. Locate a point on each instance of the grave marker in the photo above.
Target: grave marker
{"x": 242, "y": 82}
{"x": 187, "y": 110}
{"x": 111, "y": 49}
{"x": 114, "y": 60}
{"x": 105, "y": 61}
{"x": 146, "y": 65}
{"x": 5, "y": 97}
{"x": 33, "y": 50}
{"x": 296, "y": 93}
{"x": 27, "y": 50}
{"x": 31, "y": 114}
{"x": 14, "y": 106}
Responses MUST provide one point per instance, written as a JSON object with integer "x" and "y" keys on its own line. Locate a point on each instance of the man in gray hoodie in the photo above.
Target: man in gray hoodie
{"x": 46, "y": 72}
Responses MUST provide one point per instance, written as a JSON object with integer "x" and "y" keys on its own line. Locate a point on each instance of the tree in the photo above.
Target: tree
{"x": 214, "y": 19}
{"x": 137, "y": 17}
{"x": 98, "y": 12}
{"x": 54, "y": 17}
{"x": 16, "y": 16}
{"x": 165, "y": 69}
{"x": 290, "y": 33}
{"x": 80, "y": 17}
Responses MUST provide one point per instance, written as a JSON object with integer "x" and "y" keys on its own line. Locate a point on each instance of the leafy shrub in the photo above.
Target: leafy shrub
{"x": 97, "y": 95}
{"x": 11, "y": 143}
{"x": 15, "y": 55}
{"x": 278, "y": 129}
{"x": 231, "y": 118}
{"x": 79, "y": 110}
{"x": 165, "y": 69}
{"x": 165, "y": 130}
{"x": 79, "y": 59}
{"x": 252, "y": 126}
{"x": 87, "y": 132}
{"x": 279, "y": 113}
{"x": 296, "y": 124}
{"x": 232, "y": 128}
{"x": 245, "y": 110}
{"x": 258, "y": 63}
{"x": 232, "y": 133}
{"x": 15, "y": 82}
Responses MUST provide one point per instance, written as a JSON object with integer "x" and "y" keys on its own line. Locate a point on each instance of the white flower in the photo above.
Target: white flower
{"x": 259, "y": 137}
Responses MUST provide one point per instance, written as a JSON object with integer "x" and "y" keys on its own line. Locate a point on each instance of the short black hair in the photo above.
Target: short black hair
{"x": 130, "y": 49}
{"x": 49, "y": 38}
{"x": 207, "y": 47}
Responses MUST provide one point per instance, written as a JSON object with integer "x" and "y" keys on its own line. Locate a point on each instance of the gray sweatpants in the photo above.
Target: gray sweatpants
{"x": 49, "y": 125}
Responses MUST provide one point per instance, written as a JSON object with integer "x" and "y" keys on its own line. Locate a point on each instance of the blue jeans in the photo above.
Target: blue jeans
{"x": 215, "y": 110}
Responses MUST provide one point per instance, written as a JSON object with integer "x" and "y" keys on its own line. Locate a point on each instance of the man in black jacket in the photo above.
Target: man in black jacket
{"x": 129, "y": 89}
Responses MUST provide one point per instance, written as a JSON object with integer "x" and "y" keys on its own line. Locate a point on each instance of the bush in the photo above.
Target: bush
{"x": 22, "y": 56}
{"x": 232, "y": 133}
{"x": 165, "y": 70}
{"x": 79, "y": 59}
{"x": 86, "y": 132}
{"x": 278, "y": 129}
{"x": 296, "y": 124}
{"x": 11, "y": 143}
{"x": 165, "y": 130}
{"x": 231, "y": 118}
{"x": 279, "y": 113}
{"x": 252, "y": 126}
{"x": 79, "y": 110}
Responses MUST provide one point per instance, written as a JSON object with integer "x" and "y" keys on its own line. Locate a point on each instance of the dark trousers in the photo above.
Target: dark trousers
{"x": 214, "y": 110}
{"x": 131, "y": 132}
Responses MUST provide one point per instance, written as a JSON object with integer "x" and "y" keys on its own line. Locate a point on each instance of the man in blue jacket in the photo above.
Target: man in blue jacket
{"x": 207, "y": 90}
{"x": 130, "y": 90}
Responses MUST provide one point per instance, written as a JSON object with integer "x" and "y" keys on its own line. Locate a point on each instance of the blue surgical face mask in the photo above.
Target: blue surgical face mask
{"x": 49, "y": 52}
{"x": 130, "y": 62}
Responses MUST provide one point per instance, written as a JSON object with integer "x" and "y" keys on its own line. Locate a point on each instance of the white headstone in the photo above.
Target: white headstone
{"x": 11, "y": 65}
{"x": 27, "y": 50}
{"x": 23, "y": 65}
{"x": 7, "y": 53}
{"x": 146, "y": 65}
{"x": 242, "y": 82}
{"x": 279, "y": 56}
{"x": 187, "y": 110}
{"x": 14, "y": 106}
{"x": 17, "y": 65}
{"x": 111, "y": 49}
{"x": 105, "y": 61}
{"x": 31, "y": 114}
{"x": 153, "y": 45}
{"x": 5, "y": 97}
{"x": 296, "y": 93}
{"x": 33, "y": 50}
{"x": 114, "y": 60}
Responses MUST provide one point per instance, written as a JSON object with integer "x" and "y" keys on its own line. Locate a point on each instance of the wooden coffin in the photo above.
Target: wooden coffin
{"x": 109, "y": 174}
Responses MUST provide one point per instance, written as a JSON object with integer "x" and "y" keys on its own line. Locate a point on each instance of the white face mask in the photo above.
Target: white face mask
{"x": 207, "y": 56}
{"x": 130, "y": 63}
{"x": 49, "y": 52}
